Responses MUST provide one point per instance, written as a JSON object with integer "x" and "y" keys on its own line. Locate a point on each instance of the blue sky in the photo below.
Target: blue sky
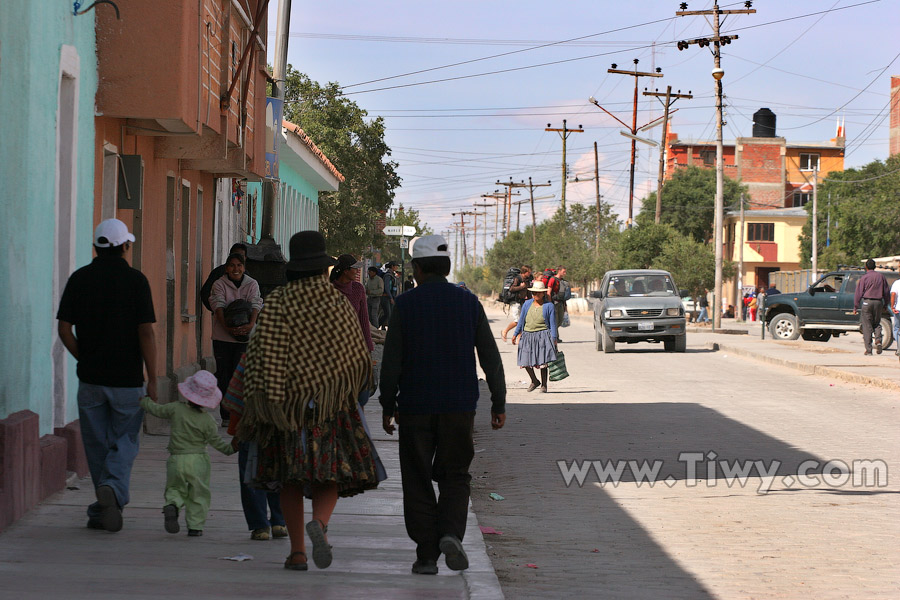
{"x": 454, "y": 139}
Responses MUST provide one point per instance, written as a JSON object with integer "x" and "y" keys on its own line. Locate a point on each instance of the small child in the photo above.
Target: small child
{"x": 188, "y": 468}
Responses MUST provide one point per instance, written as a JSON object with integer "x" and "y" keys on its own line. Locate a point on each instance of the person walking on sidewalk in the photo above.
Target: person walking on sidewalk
{"x": 537, "y": 330}
{"x": 872, "y": 295}
{"x": 374, "y": 291}
{"x": 344, "y": 277}
{"x": 306, "y": 366}
{"x": 106, "y": 322}
{"x": 895, "y": 307}
{"x": 188, "y": 467}
{"x": 703, "y": 303}
{"x": 429, "y": 387}
{"x": 519, "y": 292}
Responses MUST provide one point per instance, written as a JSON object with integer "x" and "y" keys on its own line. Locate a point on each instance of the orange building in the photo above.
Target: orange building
{"x": 181, "y": 105}
{"x": 778, "y": 173}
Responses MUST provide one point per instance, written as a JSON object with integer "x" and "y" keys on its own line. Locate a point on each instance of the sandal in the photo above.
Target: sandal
{"x": 321, "y": 549}
{"x": 300, "y": 566}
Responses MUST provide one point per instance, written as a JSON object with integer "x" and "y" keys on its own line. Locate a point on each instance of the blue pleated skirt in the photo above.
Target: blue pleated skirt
{"x": 536, "y": 349}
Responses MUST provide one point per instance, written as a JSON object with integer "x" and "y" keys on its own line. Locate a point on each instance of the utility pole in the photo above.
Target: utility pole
{"x": 815, "y": 224}
{"x": 519, "y": 204}
{"x": 670, "y": 100}
{"x": 462, "y": 225}
{"x": 717, "y": 73}
{"x": 740, "y": 278}
{"x": 564, "y": 134}
{"x": 486, "y": 206}
{"x": 531, "y": 187}
{"x": 597, "y": 187}
{"x": 507, "y": 208}
{"x": 633, "y": 129}
{"x": 496, "y": 197}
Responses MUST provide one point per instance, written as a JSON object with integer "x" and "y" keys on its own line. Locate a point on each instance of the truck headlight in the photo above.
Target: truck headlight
{"x": 673, "y": 312}
{"x": 615, "y": 313}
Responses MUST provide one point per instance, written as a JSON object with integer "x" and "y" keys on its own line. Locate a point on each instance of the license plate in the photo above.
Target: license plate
{"x": 645, "y": 326}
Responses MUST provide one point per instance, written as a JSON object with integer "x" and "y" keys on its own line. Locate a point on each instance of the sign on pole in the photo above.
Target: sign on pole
{"x": 404, "y": 242}
{"x": 405, "y": 230}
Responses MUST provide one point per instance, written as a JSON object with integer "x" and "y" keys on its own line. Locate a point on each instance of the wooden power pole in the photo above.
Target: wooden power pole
{"x": 670, "y": 100}
{"x": 564, "y": 134}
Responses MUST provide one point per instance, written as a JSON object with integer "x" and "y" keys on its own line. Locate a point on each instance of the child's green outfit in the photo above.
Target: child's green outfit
{"x": 188, "y": 467}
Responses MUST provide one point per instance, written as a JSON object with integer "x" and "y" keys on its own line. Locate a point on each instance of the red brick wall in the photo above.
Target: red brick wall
{"x": 762, "y": 163}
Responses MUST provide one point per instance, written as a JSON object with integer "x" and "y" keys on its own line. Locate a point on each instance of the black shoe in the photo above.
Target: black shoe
{"x": 425, "y": 567}
{"x": 453, "y": 553}
{"x": 195, "y": 532}
{"x": 95, "y": 524}
{"x": 171, "y": 515}
{"x": 110, "y": 513}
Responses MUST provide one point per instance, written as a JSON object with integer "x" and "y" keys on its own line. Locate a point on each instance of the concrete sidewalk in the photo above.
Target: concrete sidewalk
{"x": 50, "y": 553}
{"x": 840, "y": 358}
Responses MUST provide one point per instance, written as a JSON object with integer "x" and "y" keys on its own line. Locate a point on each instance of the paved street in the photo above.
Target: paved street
{"x": 698, "y": 538}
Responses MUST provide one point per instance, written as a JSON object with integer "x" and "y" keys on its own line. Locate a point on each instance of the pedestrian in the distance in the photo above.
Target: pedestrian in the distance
{"x": 872, "y": 295}
{"x": 703, "y": 303}
{"x": 374, "y": 292}
{"x": 519, "y": 291}
{"x": 390, "y": 292}
{"x": 345, "y": 278}
{"x": 895, "y": 306}
{"x": 537, "y": 330}
{"x": 230, "y": 339}
{"x": 753, "y": 305}
{"x": 429, "y": 387}
{"x": 188, "y": 467}
{"x": 409, "y": 283}
{"x": 217, "y": 273}
{"x": 106, "y": 322}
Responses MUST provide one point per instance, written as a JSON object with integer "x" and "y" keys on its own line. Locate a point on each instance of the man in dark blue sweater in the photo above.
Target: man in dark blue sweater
{"x": 429, "y": 387}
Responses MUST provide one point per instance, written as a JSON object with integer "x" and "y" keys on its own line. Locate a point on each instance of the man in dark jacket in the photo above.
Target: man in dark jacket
{"x": 429, "y": 387}
{"x": 872, "y": 294}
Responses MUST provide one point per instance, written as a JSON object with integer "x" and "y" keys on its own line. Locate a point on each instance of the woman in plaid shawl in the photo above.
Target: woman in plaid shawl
{"x": 306, "y": 365}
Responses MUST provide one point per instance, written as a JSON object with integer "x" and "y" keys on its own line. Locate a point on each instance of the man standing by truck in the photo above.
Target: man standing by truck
{"x": 872, "y": 294}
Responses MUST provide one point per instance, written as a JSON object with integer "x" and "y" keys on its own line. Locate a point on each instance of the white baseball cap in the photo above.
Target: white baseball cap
{"x": 111, "y": 233}
{"x": 427, "y": 246}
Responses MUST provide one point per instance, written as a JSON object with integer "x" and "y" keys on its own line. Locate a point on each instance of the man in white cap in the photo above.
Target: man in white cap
{"x": 106, "y": 322}
{"x": 429, "y": 387}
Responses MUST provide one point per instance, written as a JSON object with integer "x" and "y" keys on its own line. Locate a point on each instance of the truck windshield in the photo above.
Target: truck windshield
{"x": 641, "y": 285}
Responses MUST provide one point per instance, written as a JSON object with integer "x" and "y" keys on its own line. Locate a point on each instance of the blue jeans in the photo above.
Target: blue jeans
{"x": 897, "y": 332}
{"x": 111, "y": 420}
{"x": 704, "y": 315}
{"x": 254, "y": 501}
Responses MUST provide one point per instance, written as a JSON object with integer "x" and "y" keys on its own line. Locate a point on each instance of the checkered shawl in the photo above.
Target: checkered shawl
{"x": 307, "y": 346}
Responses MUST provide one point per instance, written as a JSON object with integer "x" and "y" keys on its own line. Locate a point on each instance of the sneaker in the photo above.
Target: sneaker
{"x": 110, "y": 513}
{"x": 878, "y": 347}
{"x": 195, "y": 532}
{"x": 260, "y": 535}
{"x": 425, "y": 567}
{"x": 279, "y": 531}
{"x": 170, "y": 511}
{"x": 453, "y": 553}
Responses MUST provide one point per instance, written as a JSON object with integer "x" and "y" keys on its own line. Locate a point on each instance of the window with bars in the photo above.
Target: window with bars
{"x": 760, "y": 232}
{"x": 809, "y": 162}
{"x": 802, "y": 198}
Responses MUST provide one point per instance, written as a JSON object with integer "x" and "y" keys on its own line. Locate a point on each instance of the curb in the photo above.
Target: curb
{"x": 809, "y": 369}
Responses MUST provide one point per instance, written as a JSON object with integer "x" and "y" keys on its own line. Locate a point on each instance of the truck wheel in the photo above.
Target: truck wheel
{"x": 816, "y": 335}
{"x": 680, "y": 343}
{"x": 784, "y": 327}
{"x": 887, "y": 333}
{"x": 598, "y": 341}
{"x": 609, "y": 344}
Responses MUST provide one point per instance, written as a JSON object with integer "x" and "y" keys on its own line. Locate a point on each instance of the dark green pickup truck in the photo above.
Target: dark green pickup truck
{"x": 823, "y": 310}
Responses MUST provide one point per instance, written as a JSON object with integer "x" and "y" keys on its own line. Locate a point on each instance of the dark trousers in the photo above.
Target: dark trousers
{"x": 435, "y": 448}
{"x": 227, "y": 355}
{"x": 254, "y": 501}
{"x": 870, "y": 320}
{"x": 385, "y": 310}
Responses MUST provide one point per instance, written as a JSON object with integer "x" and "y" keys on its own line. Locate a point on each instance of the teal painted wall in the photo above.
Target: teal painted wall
{"x": 293, "y": 180}
{"x": 32, "y": 33}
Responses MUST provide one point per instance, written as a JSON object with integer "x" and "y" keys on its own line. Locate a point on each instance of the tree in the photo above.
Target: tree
{"x": 865, "y": 213}
{"x": 390, "y": 245}
{"x": 355, "y": 145}
{"x": 692, "y": 264}
{"x": 513, "y": 251}
{"x": 641, "y": 245}
{"x": 688, "y": 202}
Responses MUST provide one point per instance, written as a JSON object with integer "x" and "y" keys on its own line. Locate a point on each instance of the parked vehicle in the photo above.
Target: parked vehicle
{"x": 638, "y": 305}
{"x": 824, "y": 310}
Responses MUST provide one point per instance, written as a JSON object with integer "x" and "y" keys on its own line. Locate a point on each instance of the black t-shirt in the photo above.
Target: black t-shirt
{"x": 106, "y": 301}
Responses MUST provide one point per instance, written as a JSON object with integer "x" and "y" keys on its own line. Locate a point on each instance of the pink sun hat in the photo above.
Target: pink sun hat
{"x": 201, "y": 388}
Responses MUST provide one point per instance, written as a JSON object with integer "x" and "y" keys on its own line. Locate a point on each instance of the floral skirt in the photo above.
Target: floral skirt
{"x": 338, "y": 450}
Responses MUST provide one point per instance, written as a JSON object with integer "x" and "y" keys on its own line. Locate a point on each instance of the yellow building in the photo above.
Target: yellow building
{"x": 770, "y": 242}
